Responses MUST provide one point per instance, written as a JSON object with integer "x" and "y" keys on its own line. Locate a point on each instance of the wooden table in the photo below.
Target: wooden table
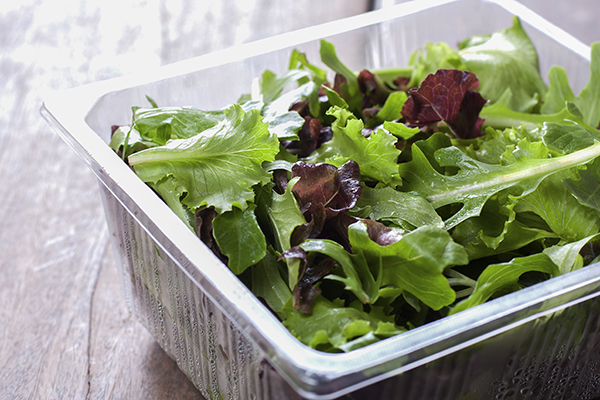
{"x": 64, "y": 330}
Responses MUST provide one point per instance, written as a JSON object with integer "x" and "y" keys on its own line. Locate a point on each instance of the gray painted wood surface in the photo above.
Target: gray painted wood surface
{"x": 65, "y": 332}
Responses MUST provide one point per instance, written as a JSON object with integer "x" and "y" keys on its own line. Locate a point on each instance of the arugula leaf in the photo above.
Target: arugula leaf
{"x": 475, "y": 182}
{"x": 228, "y": 156}
{"x": 559, "y": 91}
{"x": 567, "y": 257}
{"x": 349, "y": 90}
{"x": 504, "y": 277}
{"x": 499, "y": 278}
{"x": 588, "y": 101}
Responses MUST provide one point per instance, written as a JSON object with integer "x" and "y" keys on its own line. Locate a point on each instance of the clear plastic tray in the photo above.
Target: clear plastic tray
{"x": 541, "y": 342}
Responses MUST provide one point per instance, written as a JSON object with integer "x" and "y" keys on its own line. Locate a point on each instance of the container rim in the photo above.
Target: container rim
{"x": 311, "y": 373}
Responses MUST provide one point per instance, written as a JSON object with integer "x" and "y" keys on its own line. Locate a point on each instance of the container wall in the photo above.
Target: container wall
{"x": 554, "y": 357}
{"x": 214, "y": 355}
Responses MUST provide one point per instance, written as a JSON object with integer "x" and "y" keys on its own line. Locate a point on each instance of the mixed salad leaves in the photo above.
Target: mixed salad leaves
{"x": 360, "y": 207}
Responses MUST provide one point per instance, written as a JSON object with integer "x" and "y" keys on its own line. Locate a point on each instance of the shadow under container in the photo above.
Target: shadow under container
{"x": 542, "y": 342}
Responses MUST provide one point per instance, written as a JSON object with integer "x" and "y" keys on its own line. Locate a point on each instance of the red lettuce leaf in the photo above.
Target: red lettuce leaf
{"x": 447, "y": 96}
{"x": 336, "y": 189}
{"x": 310, "y": 273}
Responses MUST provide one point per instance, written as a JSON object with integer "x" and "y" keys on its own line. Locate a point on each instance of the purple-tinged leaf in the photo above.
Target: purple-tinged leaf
{"x": 309, "y": 274}
{"x": 337, "y": 190}
{"x": 447, "y": 96}
{"x": 381, "y": 234}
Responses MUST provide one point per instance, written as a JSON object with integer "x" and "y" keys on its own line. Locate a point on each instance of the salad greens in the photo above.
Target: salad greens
{"x": 360, "y": 207}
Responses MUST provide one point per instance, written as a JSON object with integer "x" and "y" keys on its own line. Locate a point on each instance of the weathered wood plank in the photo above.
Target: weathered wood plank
{"x": 125, "y": 361}
{"x": 50, "y": 248}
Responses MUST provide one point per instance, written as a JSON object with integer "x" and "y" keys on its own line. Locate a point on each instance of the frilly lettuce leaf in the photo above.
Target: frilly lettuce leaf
{"x": 448, "y": 96}
{"x": 333, "y": 327}
{"x": 375, "y": 155}
{"x": 218, "y": 166}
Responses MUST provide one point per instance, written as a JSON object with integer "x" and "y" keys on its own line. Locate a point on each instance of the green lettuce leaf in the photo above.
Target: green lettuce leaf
{"x": 506, "y": 59}
{"x": 554, "y": 203}
{"x": 586, "y": 187}
{"x": 496, "y": 231}
{"x": 160, "y": 125}
{"x": 333, "y": 327}
{"x": 402, "y": 209}
{"x": 284, "y": 216}
{"x": 376, "y": 155}
{"x": 240, "y": 238}
{"x": 268, "y": 283}
{"x": 432, "y": 57}
{"x": 218, "y": 166}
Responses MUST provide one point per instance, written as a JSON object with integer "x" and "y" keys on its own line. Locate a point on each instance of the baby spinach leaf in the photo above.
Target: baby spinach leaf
{"x": 240, "y": 238}
{"x": 403, "y": 209}
{"x": 268, "y": 284}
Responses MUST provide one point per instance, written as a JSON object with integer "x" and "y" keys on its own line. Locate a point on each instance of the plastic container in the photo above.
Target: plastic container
{"x": 540, "y": 342}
